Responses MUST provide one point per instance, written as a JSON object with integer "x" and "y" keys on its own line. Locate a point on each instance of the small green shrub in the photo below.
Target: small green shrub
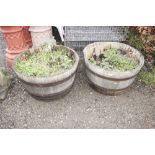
{"x": 113, "y": 59}
{"x": 45, "y": 61}
{"x": 135, "y": 40}
{"x": 148, "y": 78}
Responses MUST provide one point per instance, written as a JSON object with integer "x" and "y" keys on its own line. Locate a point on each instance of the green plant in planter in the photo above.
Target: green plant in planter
{"x": 113, "y": 59}
{"x": 45, "y": 61}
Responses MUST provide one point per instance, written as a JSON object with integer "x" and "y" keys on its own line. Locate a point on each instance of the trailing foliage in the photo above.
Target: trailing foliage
{"x": 45, "y": 61}
{"x": 113, "y": 59}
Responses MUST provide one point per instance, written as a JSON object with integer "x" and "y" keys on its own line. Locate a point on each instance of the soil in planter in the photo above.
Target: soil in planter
{"x": 114, "y": 60}
{"x": 45, "y": 61}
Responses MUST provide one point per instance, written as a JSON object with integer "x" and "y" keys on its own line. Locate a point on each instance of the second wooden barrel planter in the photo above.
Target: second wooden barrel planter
{"x": 111, "y": 67}
{"x": 47, "y": 72}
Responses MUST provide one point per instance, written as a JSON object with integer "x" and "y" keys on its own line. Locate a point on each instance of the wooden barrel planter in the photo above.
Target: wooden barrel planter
{"x": 49, "y": 87}
{"x": 111, "y": 82}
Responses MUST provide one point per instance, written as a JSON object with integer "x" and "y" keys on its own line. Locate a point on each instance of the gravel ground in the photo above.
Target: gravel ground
{"x": 81, "y": 108}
